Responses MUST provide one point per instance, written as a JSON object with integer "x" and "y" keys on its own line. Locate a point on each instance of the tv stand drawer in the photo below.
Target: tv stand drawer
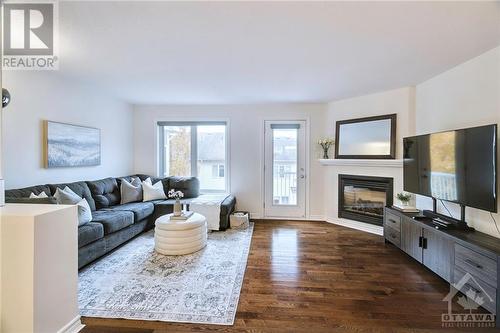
{"x": 480, "y": 289}
{"x": 392, "y": 221}
{"x": 477, "y": 264}
{"x": 392, "y": 235}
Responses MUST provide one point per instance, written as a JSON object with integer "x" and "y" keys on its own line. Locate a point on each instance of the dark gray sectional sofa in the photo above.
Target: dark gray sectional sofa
{"x": 113, "y": 224}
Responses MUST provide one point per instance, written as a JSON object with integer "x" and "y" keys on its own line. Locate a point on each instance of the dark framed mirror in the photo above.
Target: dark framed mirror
{"x": 366, "y": 138}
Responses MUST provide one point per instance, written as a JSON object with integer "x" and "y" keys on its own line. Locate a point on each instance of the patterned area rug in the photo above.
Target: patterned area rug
{"x": 135, "y": 282}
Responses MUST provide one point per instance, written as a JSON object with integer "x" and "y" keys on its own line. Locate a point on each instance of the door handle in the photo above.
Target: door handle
{"x": 420, "y": 241}
{"x": 302, "y": 176}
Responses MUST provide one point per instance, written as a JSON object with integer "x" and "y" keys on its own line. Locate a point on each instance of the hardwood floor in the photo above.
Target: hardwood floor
{"x": 318, "y": 277}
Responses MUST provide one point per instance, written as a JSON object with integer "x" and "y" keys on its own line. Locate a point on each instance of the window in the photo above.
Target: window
{"x": 194, "y": 149}
{"x": 218, "y": 170}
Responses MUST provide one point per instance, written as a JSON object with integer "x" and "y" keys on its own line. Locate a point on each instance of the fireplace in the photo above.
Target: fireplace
{"x": 363, "y": 198}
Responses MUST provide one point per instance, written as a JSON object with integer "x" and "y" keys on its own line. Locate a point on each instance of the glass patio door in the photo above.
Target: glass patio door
{"x": 285, "y": 169}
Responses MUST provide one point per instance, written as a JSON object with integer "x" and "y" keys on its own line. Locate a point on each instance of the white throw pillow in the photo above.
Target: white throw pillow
{"x": 84, "y": 212}
{"x": 131, "y": 191}
{"x": 152, "y": 192}
{"x": 41, "y": 195}
{"x": 68, "y": 197}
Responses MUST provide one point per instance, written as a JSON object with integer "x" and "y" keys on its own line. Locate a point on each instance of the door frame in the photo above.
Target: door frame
{"x": 307, "y": 163}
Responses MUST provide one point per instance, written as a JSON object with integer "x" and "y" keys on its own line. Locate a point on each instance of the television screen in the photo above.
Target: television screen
{"x": 457, "y": 166}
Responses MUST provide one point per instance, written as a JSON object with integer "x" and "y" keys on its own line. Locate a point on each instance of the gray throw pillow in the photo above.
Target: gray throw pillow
{"x": 68, "y": 197}
{"x": 131, "y": 191}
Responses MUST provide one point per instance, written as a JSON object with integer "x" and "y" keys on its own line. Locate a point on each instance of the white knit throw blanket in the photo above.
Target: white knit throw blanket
{"x": 208, "y": 205}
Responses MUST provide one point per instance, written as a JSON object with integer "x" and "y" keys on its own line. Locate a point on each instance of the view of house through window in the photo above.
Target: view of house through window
{"x": 194, "y": 149}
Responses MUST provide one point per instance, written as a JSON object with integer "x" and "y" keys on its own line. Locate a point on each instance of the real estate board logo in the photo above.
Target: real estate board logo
{"x": 29, "y": 35}
{"x": 474, "y": 296}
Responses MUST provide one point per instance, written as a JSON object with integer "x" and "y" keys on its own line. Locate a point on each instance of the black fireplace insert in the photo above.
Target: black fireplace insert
{"x": 363, "y": 198}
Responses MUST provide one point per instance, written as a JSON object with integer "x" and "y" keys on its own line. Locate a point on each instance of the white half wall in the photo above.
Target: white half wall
{"x": 246, "y": 126}
{"x": 399, "y": 101}
{"x": 465, "y": 96}
{"x": 48, "y": 95}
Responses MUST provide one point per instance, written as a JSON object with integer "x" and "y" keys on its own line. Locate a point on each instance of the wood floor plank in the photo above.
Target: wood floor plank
{"x": 318, "y": 277}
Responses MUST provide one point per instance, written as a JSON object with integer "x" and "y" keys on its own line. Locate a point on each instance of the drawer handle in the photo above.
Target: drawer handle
{"x": 393, "y": 235}
{"x": 472, "y": 263}
{"x": 477, "y": 291}
{"x": 392, "y": 221}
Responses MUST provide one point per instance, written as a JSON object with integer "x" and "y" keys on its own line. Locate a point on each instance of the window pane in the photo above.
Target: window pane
{"x": 211, "y": 156}
{"x": 177, "y": 151}
{"x": 285, "y": 166}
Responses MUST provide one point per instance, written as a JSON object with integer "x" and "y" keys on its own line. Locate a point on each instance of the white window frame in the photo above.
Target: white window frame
{"x": 194, "y": 149}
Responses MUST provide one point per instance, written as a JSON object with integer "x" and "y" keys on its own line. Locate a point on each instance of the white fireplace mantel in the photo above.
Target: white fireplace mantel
{"x": 363, "y": 163}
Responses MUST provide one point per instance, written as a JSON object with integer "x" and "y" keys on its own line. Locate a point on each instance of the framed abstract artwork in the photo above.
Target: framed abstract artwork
{"x": 67, "y": 145}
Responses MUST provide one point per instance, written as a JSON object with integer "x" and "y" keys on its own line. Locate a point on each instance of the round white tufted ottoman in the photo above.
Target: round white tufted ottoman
{"x": 174, "y": 238}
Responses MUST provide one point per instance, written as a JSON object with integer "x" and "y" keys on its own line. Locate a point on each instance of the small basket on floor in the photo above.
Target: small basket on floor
{"x": 239, "y": 220}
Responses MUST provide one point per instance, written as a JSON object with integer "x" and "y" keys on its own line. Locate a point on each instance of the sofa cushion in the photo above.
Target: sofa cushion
{"x": 89, "y": 233}
{"x": 105, "y": 192}
{"x": 140, "y": 210}
{"x": 113, "y": 220}
{"x": 80, "y": 188}
{"x": 25, "y": 192}
{"x": 190, "y": 186}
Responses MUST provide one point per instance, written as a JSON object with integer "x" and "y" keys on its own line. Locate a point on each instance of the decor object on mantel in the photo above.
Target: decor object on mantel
{"x": 177, "y": 195}
{"x": 68, "y": 145}
{"x": 366, "y": 138}
{"x": 326, "y": 144}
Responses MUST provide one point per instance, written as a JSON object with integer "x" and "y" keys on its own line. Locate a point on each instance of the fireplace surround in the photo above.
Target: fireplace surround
{"x": 363, "y": 198}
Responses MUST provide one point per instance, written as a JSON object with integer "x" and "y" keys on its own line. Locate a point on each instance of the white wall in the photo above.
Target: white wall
{"x": 47, "y": 95}
{"x": 465, "y": 96}
{"x": 399, "y": 101}
{"x": 246, "y": 144}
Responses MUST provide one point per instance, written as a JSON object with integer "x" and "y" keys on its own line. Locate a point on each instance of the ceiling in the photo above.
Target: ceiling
{"x": 266, "y": 52}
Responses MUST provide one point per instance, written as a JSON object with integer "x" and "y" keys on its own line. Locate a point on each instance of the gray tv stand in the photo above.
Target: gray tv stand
{"x": 466, "y": 258}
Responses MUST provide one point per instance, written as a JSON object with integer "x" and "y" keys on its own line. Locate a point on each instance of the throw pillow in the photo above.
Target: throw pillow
{"x": 41, "y": 195}
{"x": 152, "y": 192}
{"x": 68, "y": 197}
{"x": 131, "y": 191}
{"x": 84, "y": 212}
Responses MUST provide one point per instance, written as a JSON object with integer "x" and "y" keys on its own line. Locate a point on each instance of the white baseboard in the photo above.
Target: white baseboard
{"x": 366, "y": 227}
{"x": 314, "y": 218}
{"x": 259, "y": 216}
{"x": 73, "y": 326}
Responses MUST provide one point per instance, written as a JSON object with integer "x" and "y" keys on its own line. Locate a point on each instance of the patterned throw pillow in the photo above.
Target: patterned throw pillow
{"x": 131, "y": 191}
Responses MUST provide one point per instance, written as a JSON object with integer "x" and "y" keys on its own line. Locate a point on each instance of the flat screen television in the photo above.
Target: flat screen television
{"x": 457, "y": 166}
